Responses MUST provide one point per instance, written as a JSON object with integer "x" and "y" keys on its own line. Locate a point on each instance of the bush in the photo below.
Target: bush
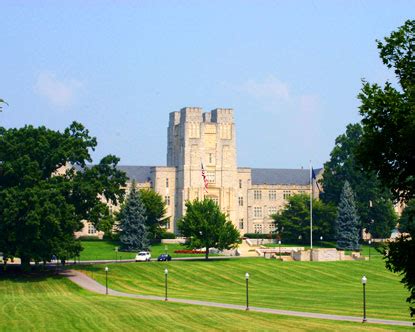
{"x": 89, "y": 238}
{"x": 168, "y": 235}
{"x": 259, "y": 236}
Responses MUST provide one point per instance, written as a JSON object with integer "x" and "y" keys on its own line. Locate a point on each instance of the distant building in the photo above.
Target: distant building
{"x": 196, "y": 140}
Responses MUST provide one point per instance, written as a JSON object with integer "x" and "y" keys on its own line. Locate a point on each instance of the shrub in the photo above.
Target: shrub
{"x": 168, "y": 235}
{"x": 89, "y": 238}
{"x": 259, "y": 236}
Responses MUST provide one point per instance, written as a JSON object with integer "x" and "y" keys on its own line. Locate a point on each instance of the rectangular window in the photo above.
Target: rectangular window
{"x": 210, "y": 158}
{"x": 241, "y": 223}
{"x": 241, "y": 201}
{"x": 272, "y": 195}
{"x": 286, "y": 194}
{"x": 272, "y": 210}
{"x": 210, "y": 175}
{"x": 257, "y": 212}
{"x": 167, "y": 182}
{"x": 257, "y": 194}
{"x": 167, "y": 200}
{"x": 91, "y": 229}
{"x": 240, "y": 184}
{"x": 258, "y": 228}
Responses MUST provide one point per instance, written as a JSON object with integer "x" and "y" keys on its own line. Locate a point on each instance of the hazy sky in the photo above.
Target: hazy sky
{"x": 291, "y": 70}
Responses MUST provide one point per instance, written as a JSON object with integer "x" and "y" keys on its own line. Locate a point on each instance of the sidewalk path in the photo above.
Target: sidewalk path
{"x": 90, "y": 284}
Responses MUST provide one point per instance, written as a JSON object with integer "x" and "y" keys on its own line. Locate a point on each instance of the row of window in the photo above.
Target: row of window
{"x": 258, "y": 211}
{"x": 272, "y": 194}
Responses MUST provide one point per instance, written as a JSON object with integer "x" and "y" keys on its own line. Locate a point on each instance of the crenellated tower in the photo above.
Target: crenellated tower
{"x": 196, "y": 138}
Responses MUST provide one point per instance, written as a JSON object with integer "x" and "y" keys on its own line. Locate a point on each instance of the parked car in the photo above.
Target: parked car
{"x": 164, "y": 257}
{"x": 143, "y": 256}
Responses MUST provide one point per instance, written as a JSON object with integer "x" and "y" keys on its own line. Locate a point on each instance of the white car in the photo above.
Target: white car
{"x": 143, "y": 256}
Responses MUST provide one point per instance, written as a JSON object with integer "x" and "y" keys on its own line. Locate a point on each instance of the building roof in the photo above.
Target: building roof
{"x": 281, "y": 176}
{"x": 138, "y": 173}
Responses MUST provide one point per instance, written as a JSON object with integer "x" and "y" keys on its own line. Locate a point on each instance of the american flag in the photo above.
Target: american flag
{"x": 205, "y": 180}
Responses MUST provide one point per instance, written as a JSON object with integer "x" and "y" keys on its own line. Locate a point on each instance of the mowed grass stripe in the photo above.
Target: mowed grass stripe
{"x": 327, "y": 287}
{"x": 55, "y": 304}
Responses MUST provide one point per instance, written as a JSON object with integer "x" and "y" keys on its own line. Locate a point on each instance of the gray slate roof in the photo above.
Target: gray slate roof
{"x": 281, "y": 176}
{"x": 138, "y": 173}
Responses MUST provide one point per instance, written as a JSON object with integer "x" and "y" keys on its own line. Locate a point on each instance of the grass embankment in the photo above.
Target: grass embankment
{"x": 105, "y": 250}
{"x": 325, "y": 287}
{"x": 55, "y": 304}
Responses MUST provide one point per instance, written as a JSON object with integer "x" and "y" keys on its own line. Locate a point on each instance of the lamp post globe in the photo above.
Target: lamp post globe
{"x": 247, "y": 298}
{"x": 279, "y": 250}
{"x": 369, "y": 242}
{"x": 364, "y": 281}
{"x": 106, "y": 280}
{"x": 166, "y": 272}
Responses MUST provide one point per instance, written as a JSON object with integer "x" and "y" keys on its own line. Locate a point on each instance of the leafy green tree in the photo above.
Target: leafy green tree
{"x": 206, "y": 226}
{"x": 388, "y": 142}
{"x": 379, "y": 217}
{"x": 407, "y": 219}
{"x": 293, "y": 222}
{"x": 155, "y": 212}
{"x": 43, "y": 202}
{"x": 347, "y": 221}
{"x": 132, "y": 225}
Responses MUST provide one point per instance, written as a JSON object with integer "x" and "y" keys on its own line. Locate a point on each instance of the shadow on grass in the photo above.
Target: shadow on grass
{"x": 14, "y": 273}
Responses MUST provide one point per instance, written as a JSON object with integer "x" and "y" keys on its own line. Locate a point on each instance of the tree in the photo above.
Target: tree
{"x": 155, "y": 212}
{"x": 132, "y": 226}
{"x": 347, "y": 221}
{"x": 407, "y": 219}
{"x": 379, "y": 217}
{"x": 206, "y": 226}
{"x": 43, "y": 199}
{"x": 293, "y": 222}
{"x": 388, "y": 142}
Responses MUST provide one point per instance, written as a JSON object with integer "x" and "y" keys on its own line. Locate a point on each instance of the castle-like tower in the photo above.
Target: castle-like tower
{"x": 249, "y": 196}
{"x": 209, "y": 139}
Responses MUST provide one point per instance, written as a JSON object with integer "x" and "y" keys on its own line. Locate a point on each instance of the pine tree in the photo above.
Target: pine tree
{"x": 133, "y": 231}
{"x": 347, "y": 222}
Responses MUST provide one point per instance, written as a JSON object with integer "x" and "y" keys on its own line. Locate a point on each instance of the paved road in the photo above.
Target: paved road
{"x": 90, "y": 284}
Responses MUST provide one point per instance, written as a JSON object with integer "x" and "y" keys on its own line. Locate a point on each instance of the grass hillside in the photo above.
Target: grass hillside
{"x": 326, "y": 287}
{"x": 37, "y": 303}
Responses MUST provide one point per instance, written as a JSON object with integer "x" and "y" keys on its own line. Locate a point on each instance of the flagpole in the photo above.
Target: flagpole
{"x": 311, "y": 207}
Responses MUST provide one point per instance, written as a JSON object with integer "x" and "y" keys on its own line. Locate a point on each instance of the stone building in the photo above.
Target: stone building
{"x": 197, "y": 141}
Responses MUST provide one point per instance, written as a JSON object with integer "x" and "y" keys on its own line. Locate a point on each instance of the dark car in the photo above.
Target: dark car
{"x": 164, "y": 257}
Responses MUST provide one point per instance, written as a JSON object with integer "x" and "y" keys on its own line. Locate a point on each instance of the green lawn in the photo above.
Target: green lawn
{"x": 326, "y": 287}
{"x": 55, "y": 304}
{"x": 102, "y": 250}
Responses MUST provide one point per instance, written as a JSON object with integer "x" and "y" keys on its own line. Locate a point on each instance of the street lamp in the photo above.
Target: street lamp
{"x": 279, "y": 245}
{"x": 106, "y": 280}
{"x": 247, "y": 298}
{"x": 116, "y": 253}
{"x": 369, "y": 242}
{"x": 321, "y": 240}
{"x": 364, "y": 280}
{"x": 166, "y": 272}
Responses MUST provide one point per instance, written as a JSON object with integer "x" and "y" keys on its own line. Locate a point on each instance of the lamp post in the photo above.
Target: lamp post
{"x": 106, "y": 280}
{"x": 369, "y": 242}
{"x": 247, "y": 298}
{"x": 321, "y": 241}
{"x": 116, "y": 253}
{"x": 279, "y": 250}
{"x": 364, "y": 280}
{"x": 166, "y": 272}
